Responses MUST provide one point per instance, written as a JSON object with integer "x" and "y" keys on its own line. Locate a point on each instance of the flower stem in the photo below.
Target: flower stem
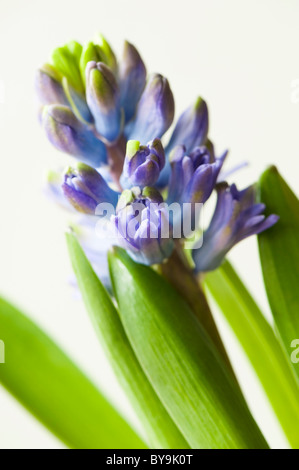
{"x": 116, "y": 154}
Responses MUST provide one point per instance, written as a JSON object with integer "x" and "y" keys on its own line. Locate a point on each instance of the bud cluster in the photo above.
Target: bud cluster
{"x": 111, "y": 117}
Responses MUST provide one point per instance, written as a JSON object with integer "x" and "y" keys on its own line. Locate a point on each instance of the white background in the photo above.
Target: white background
{"x": 241, "y": 56}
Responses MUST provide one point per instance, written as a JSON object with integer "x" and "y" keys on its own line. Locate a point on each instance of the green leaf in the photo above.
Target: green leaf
{"x": 179, "y": 274}
{"x": 160, "y": 429}
{"x": 260, "y": 344}
{"x": 48, "y": 383}
{"x": 279, "y": 254}
{"x": 180, "y": 361}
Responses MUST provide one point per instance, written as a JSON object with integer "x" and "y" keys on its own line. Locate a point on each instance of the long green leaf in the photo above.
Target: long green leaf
{"x": 181, "y": 362}
{"x": 50, "y": 385}
{"x": 160, "y": 429}
{"x": 260, "y": 344}
{"x": 279, "y": 253}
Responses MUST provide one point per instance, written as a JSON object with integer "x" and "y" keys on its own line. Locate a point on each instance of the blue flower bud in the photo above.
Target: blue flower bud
{"x": 85, "y": 188}
{"x": 142, "y": 226}
{"x": 236, "y": 217}
{"x": 102, "y": 96}
{"x": 66, "y": 61}
{"x": 142, "y": 164}
{"x": 154, "y": 113}
{"x": 191, "y": 129}
{"x": 194, "y": 176}
{"x": 69, "y": 135}
{"x": 52, "y": 88}
{"x": 48, "y": 86}
{"x": 132, "y": 78}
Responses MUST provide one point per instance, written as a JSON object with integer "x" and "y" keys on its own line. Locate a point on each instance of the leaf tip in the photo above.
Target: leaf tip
{"x": 270, "y": 171}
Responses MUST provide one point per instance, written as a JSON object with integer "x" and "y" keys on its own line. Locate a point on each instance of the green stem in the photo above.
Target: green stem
{"x": 116, "y": 154}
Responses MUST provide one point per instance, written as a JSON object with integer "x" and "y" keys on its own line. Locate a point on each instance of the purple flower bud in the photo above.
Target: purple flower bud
{"x": 142, "y": 164}
{"x": 154, "y": 113}
{"x": 52, "y": 88}
{"x": 85, "y": 188}
{"x": 69, "y": 135}
{"x": 192, "y": 127}
{"x": 142, "y": 226}
{"x": 102, "y": 95}
{"x": 190, "y": 131}
{"x": 194, "y": 176}
{"x": 236, "y": 217}
{"x": 132, "y": 78}
{"x": 48, "y": 87}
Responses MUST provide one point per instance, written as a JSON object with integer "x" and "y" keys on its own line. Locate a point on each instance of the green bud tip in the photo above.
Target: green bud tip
{"x": 132, "y": 148}
{"x": 198, "y": 103}
{"x": 127, "y": 196}
{"x": 152, "y": 194}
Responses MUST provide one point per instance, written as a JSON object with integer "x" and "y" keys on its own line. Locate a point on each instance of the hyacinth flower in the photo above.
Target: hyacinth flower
{"x": 236, "y": 217}
{"x": 194, "y": 175}
{"x": 132, "y": 73}
{"x": 155, "y": 321}
{"x": 85, "y": 189}
{"x": 142, "y": 225}
{"x": 154, "y": 112}
{"x": 191, "y": 130}
{"x": 69, "y": 135}
{"x": 87, "y": 96}
{"x": 192, "y": 127}
{"x": 82, "y": 190}
{"x": 102, "y": 96}
{"x": 142, "y": 164}
{"x": 192, "y": 180}
{"x": 100, "y": 104}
